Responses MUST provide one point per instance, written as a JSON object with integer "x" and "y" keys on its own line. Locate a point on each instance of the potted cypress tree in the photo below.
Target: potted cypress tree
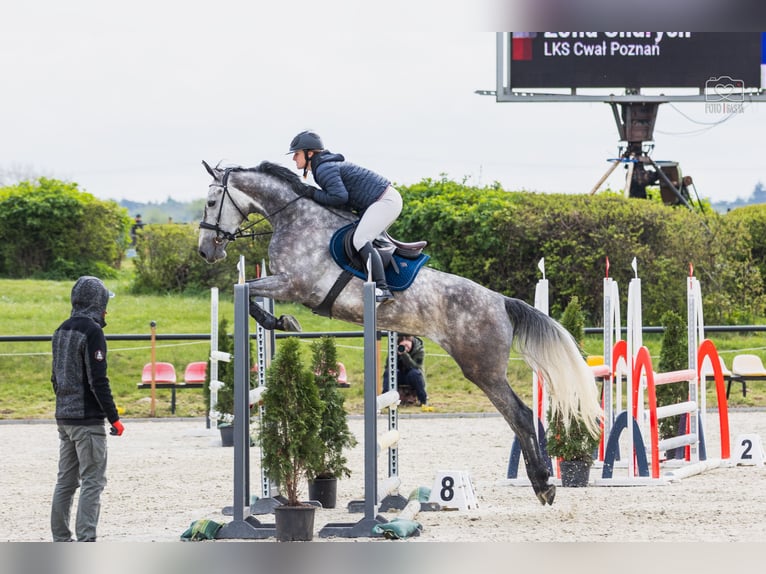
{"x": 289, "y": 437}
{"x": 570, "y": 440}
{"x": 334, "y": 432}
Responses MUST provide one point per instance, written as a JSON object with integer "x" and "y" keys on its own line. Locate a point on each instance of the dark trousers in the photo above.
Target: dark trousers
{"x": 412, "y": 378}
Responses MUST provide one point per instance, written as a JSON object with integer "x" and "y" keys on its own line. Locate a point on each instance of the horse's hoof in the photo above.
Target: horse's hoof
{"x": 288, "y": 323}
{"x": 546, "y": 496}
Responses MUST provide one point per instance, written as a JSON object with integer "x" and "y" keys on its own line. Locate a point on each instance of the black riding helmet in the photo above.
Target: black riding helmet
{"x": 306, "y": 140}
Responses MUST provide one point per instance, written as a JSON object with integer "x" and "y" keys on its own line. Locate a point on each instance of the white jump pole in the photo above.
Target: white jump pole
{"x": 214, "y": 382}
{"x": 541, "y": 303}
{"x": 634, "y": 342}
{"x": 612, "y": 334}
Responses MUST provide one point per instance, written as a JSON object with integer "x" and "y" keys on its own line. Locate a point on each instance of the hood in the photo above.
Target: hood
{"x": 324, "y": 156}
{"x": 89, "y": 299}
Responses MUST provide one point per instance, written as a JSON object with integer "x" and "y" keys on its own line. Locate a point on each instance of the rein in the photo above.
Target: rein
{"x": 240, "y": 231}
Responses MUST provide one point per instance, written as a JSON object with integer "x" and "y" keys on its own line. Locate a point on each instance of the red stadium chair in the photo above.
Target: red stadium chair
{"x": 163, "y": 373}
{"x": 195, "y": 372}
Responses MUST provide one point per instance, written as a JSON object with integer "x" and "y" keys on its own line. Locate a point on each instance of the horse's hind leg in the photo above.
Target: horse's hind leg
{"x": 519, "y": 417}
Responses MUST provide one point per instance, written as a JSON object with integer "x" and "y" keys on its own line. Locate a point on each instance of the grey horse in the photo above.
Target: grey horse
{"x": 475, "y": 325}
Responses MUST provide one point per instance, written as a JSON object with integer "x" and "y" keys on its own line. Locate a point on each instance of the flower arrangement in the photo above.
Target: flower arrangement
{"x": 570, "y": 442}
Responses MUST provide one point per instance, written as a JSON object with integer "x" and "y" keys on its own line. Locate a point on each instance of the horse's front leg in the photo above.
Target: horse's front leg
{"x": 263, "y": 317}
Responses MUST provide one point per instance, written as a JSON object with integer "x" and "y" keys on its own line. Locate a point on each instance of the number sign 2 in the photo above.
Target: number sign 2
{"x": 748, "y": 450}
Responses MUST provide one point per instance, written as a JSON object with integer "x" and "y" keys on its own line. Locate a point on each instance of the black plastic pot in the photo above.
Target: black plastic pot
{"x": 294, "y": 523}
{"x": 227, "y": 435}
{"x": 324, "y": 491}
{"x": 575, "y": 472}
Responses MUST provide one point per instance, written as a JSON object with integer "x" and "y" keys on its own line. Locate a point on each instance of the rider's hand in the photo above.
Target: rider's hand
{"x": 117, "y": 429}
{"x": 309, "y": 191}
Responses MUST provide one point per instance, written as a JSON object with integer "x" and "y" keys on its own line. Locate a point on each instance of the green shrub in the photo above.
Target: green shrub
{"x": 674, "y": 356}
{"x": 573, "y": 320}
{"x": 167, "y": 260}
{"x": 50, "y": 229}
{"x": 496, "y": 238}
{"x": 334, "y": 432}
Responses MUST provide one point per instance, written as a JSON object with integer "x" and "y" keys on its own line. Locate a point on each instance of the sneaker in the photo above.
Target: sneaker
{"x": 383, "y": 295}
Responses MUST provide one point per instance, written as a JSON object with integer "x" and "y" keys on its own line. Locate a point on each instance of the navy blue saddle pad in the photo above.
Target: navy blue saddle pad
{"x": 408, "y": 268}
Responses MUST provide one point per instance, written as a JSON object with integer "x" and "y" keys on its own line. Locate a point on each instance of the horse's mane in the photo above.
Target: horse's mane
{"x": 282, "y": 173}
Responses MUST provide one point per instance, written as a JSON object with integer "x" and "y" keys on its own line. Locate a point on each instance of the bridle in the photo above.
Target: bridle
{"x": 220, "y": 233}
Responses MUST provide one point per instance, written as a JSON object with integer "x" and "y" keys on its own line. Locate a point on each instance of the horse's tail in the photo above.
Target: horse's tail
{"x": 552, "y": 352}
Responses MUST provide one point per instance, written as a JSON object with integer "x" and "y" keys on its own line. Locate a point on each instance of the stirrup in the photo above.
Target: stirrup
{"x": 383, "y": 295}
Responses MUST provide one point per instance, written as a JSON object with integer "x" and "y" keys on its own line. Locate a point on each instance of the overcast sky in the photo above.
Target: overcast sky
{"x": 126, "y": 99}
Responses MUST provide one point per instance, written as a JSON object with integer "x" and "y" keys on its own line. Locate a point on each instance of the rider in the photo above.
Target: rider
{"x": 344, "y": 184}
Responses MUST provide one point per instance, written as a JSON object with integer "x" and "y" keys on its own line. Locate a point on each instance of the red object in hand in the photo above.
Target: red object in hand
{"x": 117, "y": 429}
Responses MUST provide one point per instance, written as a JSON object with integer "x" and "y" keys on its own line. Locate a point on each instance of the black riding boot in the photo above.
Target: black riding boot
{"x": 382, "y": 293}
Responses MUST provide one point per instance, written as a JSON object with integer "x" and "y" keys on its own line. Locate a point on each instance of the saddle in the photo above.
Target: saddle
{"x": 401, "y": 262}
{"x": 386, "y": 245}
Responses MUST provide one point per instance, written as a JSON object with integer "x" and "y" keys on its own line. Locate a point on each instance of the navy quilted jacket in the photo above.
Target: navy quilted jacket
{"x": 345, "y": 184}
{"x": 83, "y": 395}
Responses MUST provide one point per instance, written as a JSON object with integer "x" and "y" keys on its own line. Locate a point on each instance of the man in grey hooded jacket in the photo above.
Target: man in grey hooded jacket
{"x": 83, "y": 401}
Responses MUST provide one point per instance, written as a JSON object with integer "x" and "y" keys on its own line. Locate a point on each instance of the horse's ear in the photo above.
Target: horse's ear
{"x": 209, "y": 169}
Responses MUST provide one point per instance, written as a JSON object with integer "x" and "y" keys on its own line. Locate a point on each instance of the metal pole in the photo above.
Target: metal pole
{"x": 153, "y": 327}
{"x": 213, "y": 347}
{"x": 242, "y": 527}
{"x": 241, "y": 399}
{"x": 370, "y": 404}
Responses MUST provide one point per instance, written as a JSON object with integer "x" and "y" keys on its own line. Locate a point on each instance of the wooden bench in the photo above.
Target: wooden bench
{"x": 165, "y": 378}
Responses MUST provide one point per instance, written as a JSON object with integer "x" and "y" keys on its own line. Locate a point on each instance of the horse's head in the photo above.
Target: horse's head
{"x": 269, "y": 189}
{"x": 221, "y": 220}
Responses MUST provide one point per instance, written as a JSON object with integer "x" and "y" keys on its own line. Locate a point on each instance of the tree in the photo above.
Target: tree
{"x": 573, "y": 320}
{"x": 334, "y": 431}
{"x": 289, "y": 432}
{"x": 674, "y": 356}
{"x": 167, "y": 260}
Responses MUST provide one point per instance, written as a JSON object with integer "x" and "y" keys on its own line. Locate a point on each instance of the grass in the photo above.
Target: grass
{"x": 31, "y": 307}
